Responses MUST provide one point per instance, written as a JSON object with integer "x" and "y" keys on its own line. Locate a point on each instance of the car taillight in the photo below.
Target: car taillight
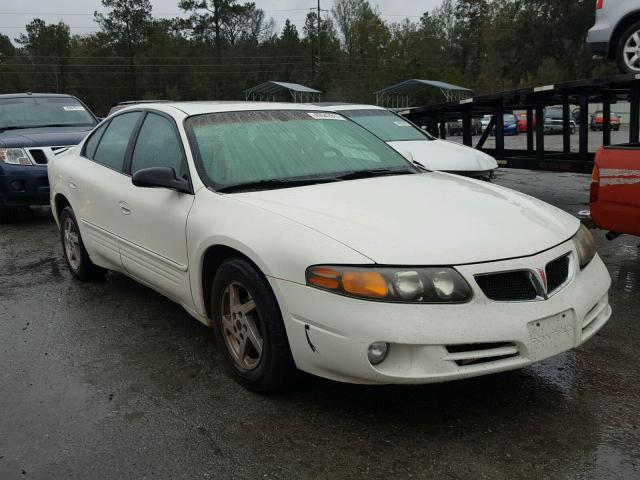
{"x": 595, "y": 185}
{"x": 599, "y": 4}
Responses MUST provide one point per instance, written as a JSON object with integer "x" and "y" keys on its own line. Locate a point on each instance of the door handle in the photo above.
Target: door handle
{"x": 72, "y": 184}
{"x": 124, "y": 208}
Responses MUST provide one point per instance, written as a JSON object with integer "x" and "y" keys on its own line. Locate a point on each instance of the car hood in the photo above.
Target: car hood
{"x": 423, "y": 219}
{"x": 43, "y": 137}
{"x": 448, "y": 156}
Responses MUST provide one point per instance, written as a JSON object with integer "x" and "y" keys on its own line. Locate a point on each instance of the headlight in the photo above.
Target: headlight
{"x": 15, "y": 156}
{"x": 585, "y": 246}
{"x": 392, "y": 284}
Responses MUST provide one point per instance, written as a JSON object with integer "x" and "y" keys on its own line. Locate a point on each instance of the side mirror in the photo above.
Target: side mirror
{"x": 163, "y": 177}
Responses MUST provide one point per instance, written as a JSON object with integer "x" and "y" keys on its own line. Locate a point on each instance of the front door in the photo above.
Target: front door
{"x": 153, "y": 242}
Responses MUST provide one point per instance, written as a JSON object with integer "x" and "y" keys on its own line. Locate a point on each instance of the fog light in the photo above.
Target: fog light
{"x": 17, "y": 185}
{"x": 377, "y": 352}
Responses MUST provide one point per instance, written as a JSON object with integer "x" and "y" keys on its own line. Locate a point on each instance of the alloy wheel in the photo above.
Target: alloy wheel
{"x": 241, "y": 326}
{"x": 72, "y": 243}
{"x": 631, "y": 52}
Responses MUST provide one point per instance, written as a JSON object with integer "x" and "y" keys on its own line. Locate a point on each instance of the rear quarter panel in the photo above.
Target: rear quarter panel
{"x": 618, "y": 205}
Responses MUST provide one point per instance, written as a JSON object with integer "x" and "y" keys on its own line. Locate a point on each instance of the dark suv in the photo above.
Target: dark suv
{"x": 33, "y": 127}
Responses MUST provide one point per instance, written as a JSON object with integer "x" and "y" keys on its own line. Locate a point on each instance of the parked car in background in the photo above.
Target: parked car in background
{"x": 597, "y": 120}
{"x": 484, "y": 121}
{"x": 33, "y": 127}
{"x": 522, "y": 122}
{"x": 307, "y": 242}
{"x": 510, "y": 125}
{"x": 615, "y": 189}
{"x": 403, "y": 136}
{"x": 455, "y": 127}
{"x": 616, "y": 33}
{"x": 553, "y": 121}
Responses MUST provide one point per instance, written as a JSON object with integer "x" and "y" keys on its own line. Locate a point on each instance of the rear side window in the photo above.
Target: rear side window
{"x": 92, "y": 142}
{"x": 158, "y": 145}
{"x": 113, "y": 144}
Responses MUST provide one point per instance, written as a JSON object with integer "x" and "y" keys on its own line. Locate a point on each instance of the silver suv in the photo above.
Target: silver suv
{"x": 616, "y": 33}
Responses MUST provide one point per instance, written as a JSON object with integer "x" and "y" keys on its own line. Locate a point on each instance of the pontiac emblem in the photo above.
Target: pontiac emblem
{"x": 543, "y": 278}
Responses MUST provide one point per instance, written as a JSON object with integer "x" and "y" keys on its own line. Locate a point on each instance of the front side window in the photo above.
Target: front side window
{"x": 386, "y": 125}
{"x": 113, "y": 144}
{"x": 157, "y": 146}
{"x": 243, "y": 147}
{"x": 39, "y": 112}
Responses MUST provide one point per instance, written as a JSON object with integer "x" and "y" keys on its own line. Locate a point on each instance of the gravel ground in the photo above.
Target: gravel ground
{"x": 111, "y": 380}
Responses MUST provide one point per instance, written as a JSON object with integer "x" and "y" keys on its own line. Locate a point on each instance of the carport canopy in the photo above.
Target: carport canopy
{"x": 397, "y": 96}
{"x": 269, "y": 91}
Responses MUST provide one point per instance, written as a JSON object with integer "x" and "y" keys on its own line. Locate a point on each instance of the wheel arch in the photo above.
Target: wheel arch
{"x": 210, "y": 262}
{"x": 620, "y": 28}
{"x": 59, "y": 202}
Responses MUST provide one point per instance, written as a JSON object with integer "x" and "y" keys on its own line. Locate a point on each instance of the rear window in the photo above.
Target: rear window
{"x": 38, "y": 112}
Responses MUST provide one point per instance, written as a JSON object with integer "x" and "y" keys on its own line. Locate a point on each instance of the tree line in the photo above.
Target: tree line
{"x": 221, "y": 47}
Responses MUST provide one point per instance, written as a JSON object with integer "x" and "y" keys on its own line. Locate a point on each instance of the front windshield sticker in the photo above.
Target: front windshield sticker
{"x": 325, "y": 116}
{"x": 73, "y": 108}
{"x": 401, "y": 123}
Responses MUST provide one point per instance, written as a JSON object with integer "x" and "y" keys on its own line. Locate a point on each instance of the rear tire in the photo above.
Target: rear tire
{"x": 249, "y": 329}
{"x": 630, "y": 39}
{"x": 75, "y": 254}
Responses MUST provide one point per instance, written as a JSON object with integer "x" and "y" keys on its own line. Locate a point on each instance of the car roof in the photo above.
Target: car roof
{"x": 199, "y": 107}
{"x": 37, "y": 95}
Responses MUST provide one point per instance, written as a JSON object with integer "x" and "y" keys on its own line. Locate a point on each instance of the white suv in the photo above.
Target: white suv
{"x": 616, "y": 33}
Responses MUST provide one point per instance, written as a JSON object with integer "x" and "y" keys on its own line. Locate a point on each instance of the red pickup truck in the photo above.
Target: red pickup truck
{"x": 615, "y": 190}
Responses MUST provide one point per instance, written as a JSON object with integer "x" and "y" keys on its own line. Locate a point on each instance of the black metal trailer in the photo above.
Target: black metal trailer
{"x": 605, "y": 90}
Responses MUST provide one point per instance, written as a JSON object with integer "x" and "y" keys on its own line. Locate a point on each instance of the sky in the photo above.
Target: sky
{"x": 78, "y": 14}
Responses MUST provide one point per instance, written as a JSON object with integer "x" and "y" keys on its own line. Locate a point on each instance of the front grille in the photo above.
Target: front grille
{"x": 507, "y": 286}
{"x": 557, "y": 273}
{"x": 38, "y": 156}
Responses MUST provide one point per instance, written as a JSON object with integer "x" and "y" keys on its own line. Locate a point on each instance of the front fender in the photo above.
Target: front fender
{"x": 278, "y": 246}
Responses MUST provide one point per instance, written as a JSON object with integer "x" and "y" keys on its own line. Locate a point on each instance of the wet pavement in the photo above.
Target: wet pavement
{"x": 111, "y": 380}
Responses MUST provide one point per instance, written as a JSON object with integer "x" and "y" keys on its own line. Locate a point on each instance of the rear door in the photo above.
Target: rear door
{"x": 97, "y": 183}
{"x": 153, "y": 233}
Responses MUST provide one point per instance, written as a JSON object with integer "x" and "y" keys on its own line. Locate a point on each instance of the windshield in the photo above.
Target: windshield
{"x": 34, "y": 112}
{"x": 386, "y": 125}
{"x": 509, "y": 118}
{"x": 554, "y": 113}
{"x": 237, "y": 148}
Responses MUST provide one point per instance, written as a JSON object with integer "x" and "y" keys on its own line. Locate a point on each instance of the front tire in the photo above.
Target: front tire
{"x": 628, "y": 51}
{"x": 75, "y": 254}
{"x": 249, "y": 329}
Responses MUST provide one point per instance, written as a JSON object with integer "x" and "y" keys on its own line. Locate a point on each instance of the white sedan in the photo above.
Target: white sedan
{"x": 403, "y": 136}
{"x": 307, "y": 242}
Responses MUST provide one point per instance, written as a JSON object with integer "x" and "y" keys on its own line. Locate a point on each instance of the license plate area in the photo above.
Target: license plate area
{"x": 552, "y": 335}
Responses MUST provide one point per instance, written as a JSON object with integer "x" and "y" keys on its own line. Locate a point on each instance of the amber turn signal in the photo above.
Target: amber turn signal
{"x": 323, "y": 277}
{"x": 365, "y": 284}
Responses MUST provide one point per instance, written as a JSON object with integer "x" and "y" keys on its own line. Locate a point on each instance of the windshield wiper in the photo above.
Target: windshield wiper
{"x": 274, "y": 183}
{"x": 376, "y": 172}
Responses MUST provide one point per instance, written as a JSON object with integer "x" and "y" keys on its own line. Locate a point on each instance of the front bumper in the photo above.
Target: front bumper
{"x": 23, "y": 185}
{"x": 600, "y": 49}
{"x": 329, "y": 334}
